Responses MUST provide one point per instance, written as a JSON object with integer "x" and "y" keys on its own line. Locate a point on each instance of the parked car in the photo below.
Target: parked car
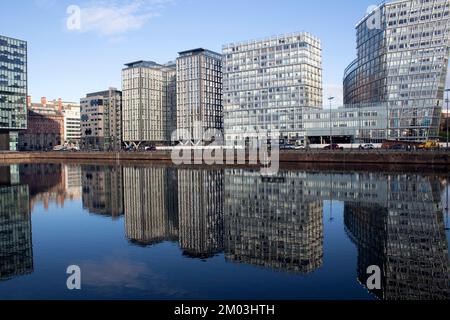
{"x": 287, "y": 147}
{"x": 333, "y": 146}
{"x": 397, "y": 147}
{"x": 367, "y": 146}
{"x": 429, "y": 145}
{"x": 150, "y": 148}
{"x": 300, "y": 147}
{"x": 59, "y": 148}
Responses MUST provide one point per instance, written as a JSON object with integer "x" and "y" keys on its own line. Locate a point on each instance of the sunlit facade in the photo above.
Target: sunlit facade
{"x": 403, "y": 49}
{"x": 149, "y": 103}
{"x": 268, "y": 83}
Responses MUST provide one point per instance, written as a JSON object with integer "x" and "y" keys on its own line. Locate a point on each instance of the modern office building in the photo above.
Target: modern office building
{"x": 149, "y": 103}
{"x": 101, "y": 124}
{"x": 199, "y": 95}
{"x": 402, "y": 60}
{"x": 351, "y": 124}
{"x": 13, "y": 91}
{"x": 269, "y": 83}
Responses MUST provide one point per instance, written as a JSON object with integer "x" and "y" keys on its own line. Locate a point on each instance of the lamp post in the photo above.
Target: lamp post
{"x": 446, "y": 119}
{"x": 331, "y": 125}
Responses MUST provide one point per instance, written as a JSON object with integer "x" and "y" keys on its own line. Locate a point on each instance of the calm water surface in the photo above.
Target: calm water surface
{"x": 158, "y": 232}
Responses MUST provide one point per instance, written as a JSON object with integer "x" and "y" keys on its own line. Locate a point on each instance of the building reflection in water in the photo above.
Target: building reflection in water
{"x": 200, "y": 202}
{"x": 403, "y": 233}
{"x": 270, "y": 222}
{"x": 103, "y": 190}
{"x": 396, "y": 221}
{"x": 16, "y": 249}
{"x": 151, "y": 204}
{"x": 51, "y": 183}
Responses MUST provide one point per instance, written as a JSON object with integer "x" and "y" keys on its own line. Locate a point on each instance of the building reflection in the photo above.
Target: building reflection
{"x": 45, "y": 182}
{"x": 16, "y": 249}
{"x": 151, "y": 204}
{"x": 200, "y": 202}
{"x": 405, "y": 237}
{"x": 51, "y": 183}
{"x": 396, "y": 221}
{"x": 271, "y": 222}
{"x": 103, "y": 190}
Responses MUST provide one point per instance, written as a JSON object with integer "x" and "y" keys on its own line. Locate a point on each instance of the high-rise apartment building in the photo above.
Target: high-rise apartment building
{"x": 101, "y": 124}
{"x": 269, "y": 83}
{"x": 403, "y": 49}
{"x": 199, "y": 94}
{"x": 149, "y": 103}
{"x": 13, "y": 91}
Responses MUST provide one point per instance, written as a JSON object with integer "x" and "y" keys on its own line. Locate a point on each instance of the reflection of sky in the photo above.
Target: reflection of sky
{"x": 113, "y": 268}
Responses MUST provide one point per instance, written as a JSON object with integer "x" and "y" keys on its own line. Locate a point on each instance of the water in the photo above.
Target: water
{"x": 158, "y": 232}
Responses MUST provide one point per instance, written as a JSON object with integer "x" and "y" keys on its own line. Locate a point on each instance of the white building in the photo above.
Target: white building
{"x": 269, "y": 83}
{"x": 72, "y": 128}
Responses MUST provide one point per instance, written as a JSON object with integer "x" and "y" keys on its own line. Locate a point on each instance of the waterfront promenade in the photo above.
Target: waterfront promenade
{"x": 434, "y": 158}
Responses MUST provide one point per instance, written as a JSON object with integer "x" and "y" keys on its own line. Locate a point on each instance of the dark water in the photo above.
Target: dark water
{"x": 159, "y": 232}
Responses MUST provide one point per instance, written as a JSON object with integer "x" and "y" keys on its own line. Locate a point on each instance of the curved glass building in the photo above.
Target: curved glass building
{"x": 402, "y": 60}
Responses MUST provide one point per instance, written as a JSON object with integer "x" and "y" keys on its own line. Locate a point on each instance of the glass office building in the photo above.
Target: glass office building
{"x": 268, "y": 83}
{"x": 13, "y": 91}
{"x": 402, "y": 60}
{"x": 199, "y": 94}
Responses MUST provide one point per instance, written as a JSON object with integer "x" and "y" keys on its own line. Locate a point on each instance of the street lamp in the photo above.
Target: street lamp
{"x": 331, "y": 126}
{"x": 446, "y": 119}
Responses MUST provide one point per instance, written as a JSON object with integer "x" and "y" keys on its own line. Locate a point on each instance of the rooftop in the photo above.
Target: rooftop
{"x": 198, "y": 51}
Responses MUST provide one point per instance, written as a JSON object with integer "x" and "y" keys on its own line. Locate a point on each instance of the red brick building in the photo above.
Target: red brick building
{"x": 45, "y": 126}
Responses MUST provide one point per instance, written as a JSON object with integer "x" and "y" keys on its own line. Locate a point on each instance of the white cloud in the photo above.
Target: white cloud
{"x": 112, "y": 18}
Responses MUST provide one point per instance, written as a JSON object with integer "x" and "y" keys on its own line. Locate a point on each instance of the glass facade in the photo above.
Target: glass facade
{"x": 13, "y": 90}
{"x": 199, "y": 93}
{"x": 358, "y": 123}
{"x": 403, "y": 61}
{"x": 268, "y": 83}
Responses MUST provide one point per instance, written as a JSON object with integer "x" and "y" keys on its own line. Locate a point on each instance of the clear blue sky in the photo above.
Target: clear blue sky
{"x": 69, "y": 64}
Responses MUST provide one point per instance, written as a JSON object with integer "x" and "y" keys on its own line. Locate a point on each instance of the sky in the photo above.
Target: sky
{"x": 67, "y": 60}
